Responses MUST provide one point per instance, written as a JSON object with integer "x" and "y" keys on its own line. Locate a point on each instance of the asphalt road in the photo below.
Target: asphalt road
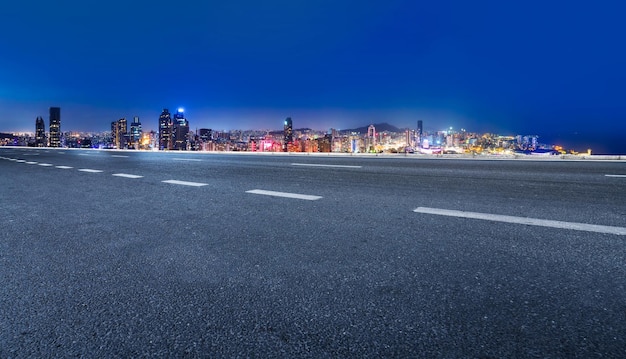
{"x": 99, "y": 257}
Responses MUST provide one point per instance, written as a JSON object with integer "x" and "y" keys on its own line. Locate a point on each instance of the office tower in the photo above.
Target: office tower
{"x": 180, "y": 132}
{"x": 335, "y": 140}
{"x": 420, "y": 132}
{"x": 325, "y": 143}
{"x": 371, "y": 139}
{"x": 165, "y": 130}
{"x": 55, "y": 127}
{"x": 40, "y": 132}
{"x": 119, "y": 133}
{"x": 135, "y": 133}
{"x": 288, "y": 134}
{"x": 206, "y": 134}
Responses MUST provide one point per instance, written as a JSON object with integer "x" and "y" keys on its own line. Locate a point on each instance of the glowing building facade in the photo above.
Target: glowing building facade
{"x": 40, "y": 132}
{"x": 55, "y": 127}
{"x": 165, "y": 130}
{"x": 135, "y": 133}
{"x": 288, "y": 134}
{"x": 180, "y": 131}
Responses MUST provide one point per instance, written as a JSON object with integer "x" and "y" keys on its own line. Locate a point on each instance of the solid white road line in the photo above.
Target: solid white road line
{"x": 125, "y": 175}
{"x": 619, "y": 176}
{"x": 523, "y": 220}
{"x": 185, "y": 183}
{"x": 64, "y": 167}
{"x": 284, "y": 194}
{"x": 89, "y": 170}
{"x": 187, "y": 159}
{"x": 320, "y": 165}
{"x": 46, "y": 164}
{"x": 119, "y": 156}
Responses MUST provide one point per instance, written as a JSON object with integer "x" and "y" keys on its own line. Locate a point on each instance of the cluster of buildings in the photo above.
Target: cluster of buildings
{"x": 174, "y": 134}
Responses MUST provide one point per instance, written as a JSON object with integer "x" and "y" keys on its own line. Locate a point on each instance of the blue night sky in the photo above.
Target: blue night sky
{"x": 552, "y": 68}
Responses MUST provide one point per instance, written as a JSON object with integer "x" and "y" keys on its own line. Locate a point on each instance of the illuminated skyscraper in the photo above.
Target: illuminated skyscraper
{"x": 180, "y": 131}
{"x": 119, "y": 133}
{"x": 371, "y": 139}
{"x": 165, "y": 130}
{"x": 55, "y": 127}
{"x": 135, "y": 133}
{"x": 420, "y": 132}
{"x": 288, "y": 134}
{"x": 40, "y": 132}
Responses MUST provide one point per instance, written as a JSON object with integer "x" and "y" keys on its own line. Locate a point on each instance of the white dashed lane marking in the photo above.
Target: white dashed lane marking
{"x": 185, "y": 183}
{"x": 187, "y": 159}
{"x": 524, "y": 220}
{"x": 321, "y": 165}
{"x": 119, "y": 156}
{"x": 618, "y": 176}
{"x": 89, "y": 170}
{"x": 64, "y": 167}
{"x": 31, "y": 163}
{"x": 46, "y": 164}
{"x": 126, "y": 175}
{"x": 284, "y": 194}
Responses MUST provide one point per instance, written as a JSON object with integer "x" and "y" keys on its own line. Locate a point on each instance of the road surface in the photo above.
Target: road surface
{"x": 151, "y": 254}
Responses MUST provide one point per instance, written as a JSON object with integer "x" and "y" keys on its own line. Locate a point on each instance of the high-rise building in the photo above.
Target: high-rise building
{"x": 55, "y": 127}
{"x": 288, "y": 134}
{"x": 165, "y": 130}
{"x": 206, "y": 134}
{"x": 180, "y": 131}
{"x": 119, "y": 133}
{"x": 420, "y": 132}
{"x": 135, "y": 133}
{"x": 40, "y": 132}
{"x": 371, "y": 139}
{"x": 325, "y": 143}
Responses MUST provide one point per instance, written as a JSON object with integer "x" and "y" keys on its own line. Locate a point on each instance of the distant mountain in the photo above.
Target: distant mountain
{"x": 380, "y": 127}
{"x": 280, "y": 132}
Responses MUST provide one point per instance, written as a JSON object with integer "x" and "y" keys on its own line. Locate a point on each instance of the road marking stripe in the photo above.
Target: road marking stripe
{"x": 185, "y": 183}
{"x": 119, "y": 156}
{"x": 31, "y": 163}
{"x": 187, "y": 159}
{"x": 89, "y": 170}
{"x": 284, "y": 194}
{"x": 83, "y": 154}
{"x": 46, "y": 164}
{"x": 20, "y": 161}
{"x": 64, "y": 167}
{"x": 524, "y": 220}
{"x": 320, "y": 165}
{"x": 125, "y": 175}
{"x": 619, "y": 176}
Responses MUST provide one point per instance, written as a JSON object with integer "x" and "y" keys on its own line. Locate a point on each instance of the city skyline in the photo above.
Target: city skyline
{"x": 175, "y": 134}
{"x": 171, "y": 136}
{"x": 507, "y": 68}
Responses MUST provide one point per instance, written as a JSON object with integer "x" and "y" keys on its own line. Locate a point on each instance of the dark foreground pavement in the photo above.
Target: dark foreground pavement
{"x": 97, "y": 265}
